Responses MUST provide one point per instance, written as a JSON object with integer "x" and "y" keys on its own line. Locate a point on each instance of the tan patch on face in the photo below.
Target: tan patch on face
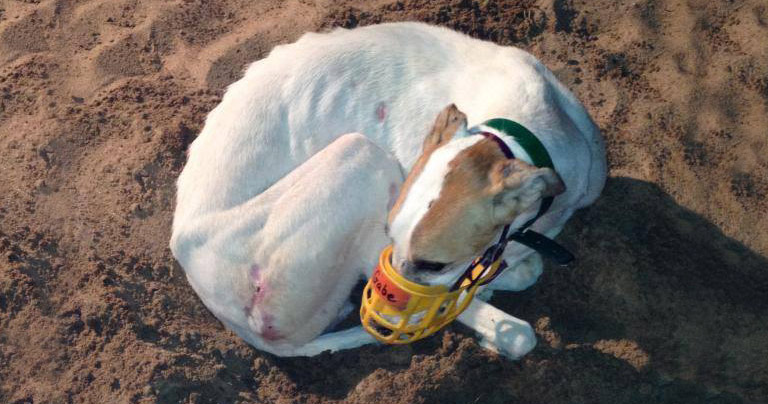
{"x": 446, "y": 124}
{"x": 459, "y": 223}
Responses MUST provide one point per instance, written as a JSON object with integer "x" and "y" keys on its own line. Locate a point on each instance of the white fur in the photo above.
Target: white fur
{"x": 424, "y": 190}
{"x": 293, "y": 172}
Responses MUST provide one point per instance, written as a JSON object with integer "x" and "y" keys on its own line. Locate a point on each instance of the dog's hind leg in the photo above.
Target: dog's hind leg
{"x": 278, "y": 268}
{"x": 499, "y": 331}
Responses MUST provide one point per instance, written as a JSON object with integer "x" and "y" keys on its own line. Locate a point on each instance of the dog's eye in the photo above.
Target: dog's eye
{"x": 430, "y": 266}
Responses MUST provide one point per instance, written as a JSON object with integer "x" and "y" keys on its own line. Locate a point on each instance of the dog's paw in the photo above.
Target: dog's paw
{"x": 511, "y": 339}
{"x": 521, "y": 276}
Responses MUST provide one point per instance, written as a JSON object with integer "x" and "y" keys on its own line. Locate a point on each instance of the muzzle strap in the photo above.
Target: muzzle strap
{"x": 523, "y": 235}
{"x": 544, "y": 246}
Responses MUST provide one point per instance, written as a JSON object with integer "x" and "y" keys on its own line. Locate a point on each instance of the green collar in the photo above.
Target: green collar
{"x": 527, "y": 140}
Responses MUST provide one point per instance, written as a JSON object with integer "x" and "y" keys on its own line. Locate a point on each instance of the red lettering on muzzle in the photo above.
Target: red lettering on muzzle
{"x": 388, "y": 291}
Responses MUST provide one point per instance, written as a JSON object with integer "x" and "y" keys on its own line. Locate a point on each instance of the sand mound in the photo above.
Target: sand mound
{"x": 668, "y": 303}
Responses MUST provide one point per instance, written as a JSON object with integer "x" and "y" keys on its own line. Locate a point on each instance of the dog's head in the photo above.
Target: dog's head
{"x": 458, "y": 196}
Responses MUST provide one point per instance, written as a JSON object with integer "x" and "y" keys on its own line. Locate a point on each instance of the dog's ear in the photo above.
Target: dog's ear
{"x": 516, "y": 185}
{"x": 448, "y": 123}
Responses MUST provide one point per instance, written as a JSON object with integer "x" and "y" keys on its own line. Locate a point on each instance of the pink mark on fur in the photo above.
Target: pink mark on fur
{"x": 392, "y": 195}
{"x": 259, "y": 288}
{"x": 268, "y": 330}
{"x": 257, "y": 297}
{"x": 255, "y": 271}
{"x": 381, "y": 111}
{"x": 259, "y": 285}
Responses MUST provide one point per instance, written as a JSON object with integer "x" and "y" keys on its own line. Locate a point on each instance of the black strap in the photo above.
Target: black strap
{"x": 529, "y": 238}
{"x": 544, "y": 206}
{"x": 543, "y": 245}
{"x": 540, "y": 243}
{"x": 533, "y": 240}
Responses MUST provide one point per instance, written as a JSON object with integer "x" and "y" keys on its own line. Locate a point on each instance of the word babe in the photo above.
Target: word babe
{"x": 442, "y": 150}
{"x": 391, "y": 293}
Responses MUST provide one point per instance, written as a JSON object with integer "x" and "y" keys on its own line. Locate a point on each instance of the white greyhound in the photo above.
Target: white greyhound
{"x": 283, "y": 204}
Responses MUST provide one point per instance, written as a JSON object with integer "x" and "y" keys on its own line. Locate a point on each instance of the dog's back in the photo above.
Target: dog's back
{"x": 387, "y": 81}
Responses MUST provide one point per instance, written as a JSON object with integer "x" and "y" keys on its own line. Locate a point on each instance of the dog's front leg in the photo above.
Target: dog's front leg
{"x": 522, "y": 273}
{"x": 519, "y": 276}
{"x": 499, "y": 331}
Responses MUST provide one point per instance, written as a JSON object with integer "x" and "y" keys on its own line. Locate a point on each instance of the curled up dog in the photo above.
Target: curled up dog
{"x": 338, "y": 145}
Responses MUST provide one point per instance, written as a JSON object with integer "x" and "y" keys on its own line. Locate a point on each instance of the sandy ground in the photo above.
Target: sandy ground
{"x": 667, "y": 304}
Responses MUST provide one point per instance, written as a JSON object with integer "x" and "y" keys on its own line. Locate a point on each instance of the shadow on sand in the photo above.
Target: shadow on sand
{"x": 661, "y": 307}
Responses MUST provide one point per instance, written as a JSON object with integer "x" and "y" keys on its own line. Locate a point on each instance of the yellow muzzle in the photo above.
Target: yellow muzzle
{"x": 398, "y": 311}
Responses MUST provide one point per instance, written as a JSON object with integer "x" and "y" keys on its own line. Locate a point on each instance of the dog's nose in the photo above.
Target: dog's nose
{"x": 407, "y": 267}
{"x": 409, "y": 271}
{"x": 423, "y": 265}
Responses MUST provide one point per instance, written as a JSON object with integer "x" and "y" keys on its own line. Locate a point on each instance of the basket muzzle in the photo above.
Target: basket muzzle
{"x": 396, "y": 310}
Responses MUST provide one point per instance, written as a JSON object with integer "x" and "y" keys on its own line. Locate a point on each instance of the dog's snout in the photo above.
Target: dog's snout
{"x": 408, "y": 267}
{"x": 423, "y": 265}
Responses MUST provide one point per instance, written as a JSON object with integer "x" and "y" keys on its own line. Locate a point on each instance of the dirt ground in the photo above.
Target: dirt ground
{"x": 668, "y": 302}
